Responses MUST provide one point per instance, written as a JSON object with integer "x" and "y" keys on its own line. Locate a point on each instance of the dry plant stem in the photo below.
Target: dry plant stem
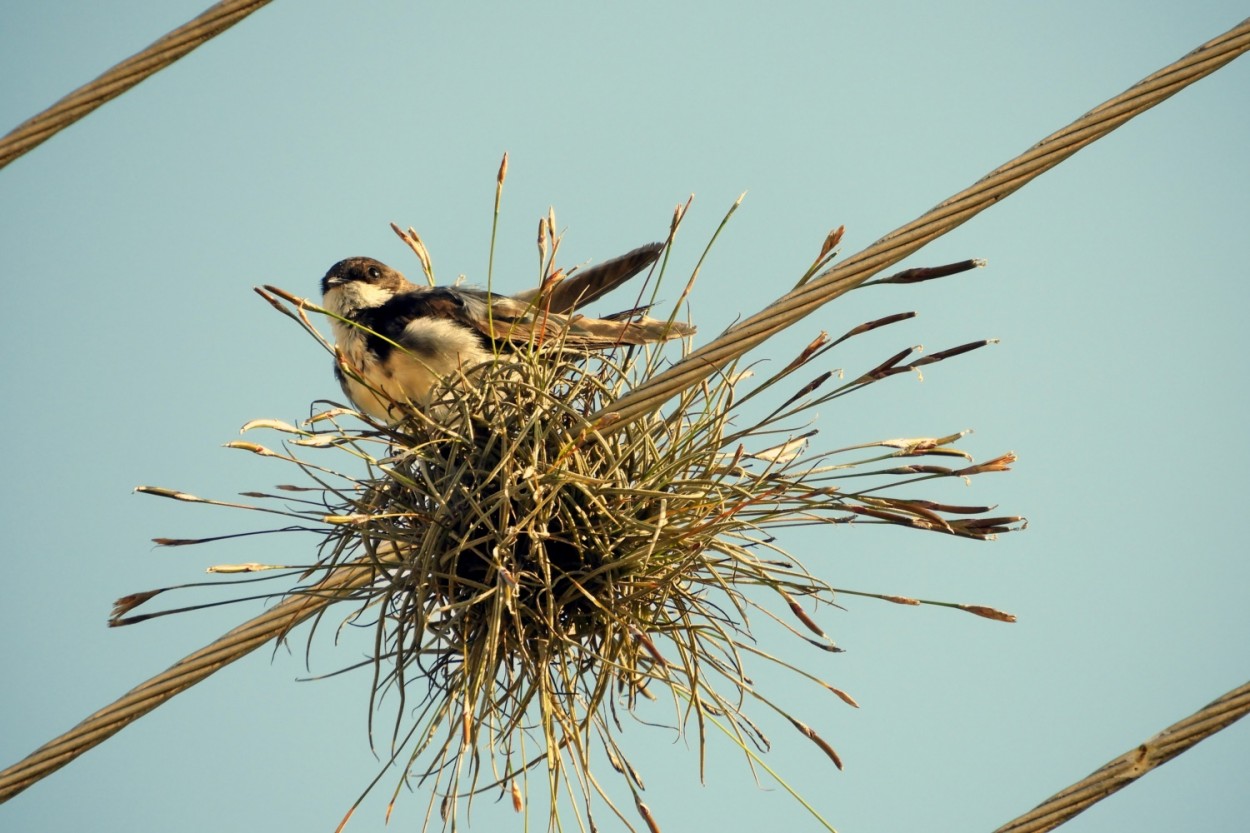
{"x": 33, "y": 132}
{"x": 1133, "y": 764}
{"x": 951, "y": 213}
{"x": 272, "y": 624}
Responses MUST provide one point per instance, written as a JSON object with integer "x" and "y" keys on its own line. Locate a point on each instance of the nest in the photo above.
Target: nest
{"x": 541, "y": 571}
{"x": 539, "y": 566}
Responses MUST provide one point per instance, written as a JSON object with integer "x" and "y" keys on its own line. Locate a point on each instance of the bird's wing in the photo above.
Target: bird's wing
{"x": 500, "y": 318}
{"x": 590, "y": 284}
{"x": 487, "y": 316}
{"x": 390, "y": 320}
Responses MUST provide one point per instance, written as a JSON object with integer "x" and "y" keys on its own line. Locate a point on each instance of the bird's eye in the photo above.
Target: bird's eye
{"x": 374, "y": 273}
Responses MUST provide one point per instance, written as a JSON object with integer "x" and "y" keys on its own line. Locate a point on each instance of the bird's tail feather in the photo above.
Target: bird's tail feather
{"x": 604, "y": 333}
{"x": 590, "y": 284}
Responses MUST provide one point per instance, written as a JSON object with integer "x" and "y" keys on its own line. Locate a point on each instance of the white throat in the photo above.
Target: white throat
{"x": 349, "y": 297}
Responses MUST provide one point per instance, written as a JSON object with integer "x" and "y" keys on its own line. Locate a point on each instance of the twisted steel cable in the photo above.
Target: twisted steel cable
{"x": 1124, "y": 770}
{"x": 953, "y": 212}
{"x": 123, "y": 76}
{"x": 143, "y": 698}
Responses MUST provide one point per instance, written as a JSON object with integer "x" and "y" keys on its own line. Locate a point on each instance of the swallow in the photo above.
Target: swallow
{"x": 402, "y": 339}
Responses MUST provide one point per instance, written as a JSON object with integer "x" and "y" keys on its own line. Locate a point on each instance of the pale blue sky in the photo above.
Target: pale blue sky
{"x": 134, "y": 348}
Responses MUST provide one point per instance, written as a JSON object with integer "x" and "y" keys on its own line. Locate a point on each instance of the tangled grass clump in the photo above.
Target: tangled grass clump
{"x": 539, "y": 566}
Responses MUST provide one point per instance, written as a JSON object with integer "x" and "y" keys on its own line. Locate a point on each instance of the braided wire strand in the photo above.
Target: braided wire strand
{"x": 38, "y": 129}
{"x": 1117, "y": 774}
{"x": 947, "y": 215}
{"x": 143, "y": 698}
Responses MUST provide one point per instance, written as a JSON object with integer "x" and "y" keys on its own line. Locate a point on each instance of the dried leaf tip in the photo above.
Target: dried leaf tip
{"x": 128, "y": 603}
{"x": 255, "y": 448}
{"x": 1000, "y": 463}
{"x": 805, "y": 356}
{"x": 413, "y": 241}
{"x": 988, "y": 613}
{"x": 169, "y": 493}
{"x": 272, "y": 424}
{"x": 801, "y": 614}
{"x": 784, "y": 452}
{"x": 842, "y": 695}
{"x": 809, "y": 733}
{"x": 678, "y": 213}
{"x": 928, "y": 273}
{"x": 831, "y": 242}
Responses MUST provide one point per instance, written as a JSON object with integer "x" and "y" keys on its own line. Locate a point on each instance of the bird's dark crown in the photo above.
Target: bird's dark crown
{"x": 362, "y": 269}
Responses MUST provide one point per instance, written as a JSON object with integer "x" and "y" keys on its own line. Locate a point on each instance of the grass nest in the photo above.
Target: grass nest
{"x": 539, "y": 567}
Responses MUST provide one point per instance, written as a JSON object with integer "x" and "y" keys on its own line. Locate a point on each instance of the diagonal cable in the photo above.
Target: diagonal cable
{"x": 951, "y": 213}
{"x": 1124, "y": 770}
{"x": 123, "y": 76}
{"x": 275, "y": 623}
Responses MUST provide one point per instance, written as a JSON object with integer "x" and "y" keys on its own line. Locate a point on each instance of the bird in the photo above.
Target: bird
{"x": 400, "y": 339}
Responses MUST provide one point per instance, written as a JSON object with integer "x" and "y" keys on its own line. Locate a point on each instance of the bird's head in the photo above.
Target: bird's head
{"x": 359, "y": 282}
